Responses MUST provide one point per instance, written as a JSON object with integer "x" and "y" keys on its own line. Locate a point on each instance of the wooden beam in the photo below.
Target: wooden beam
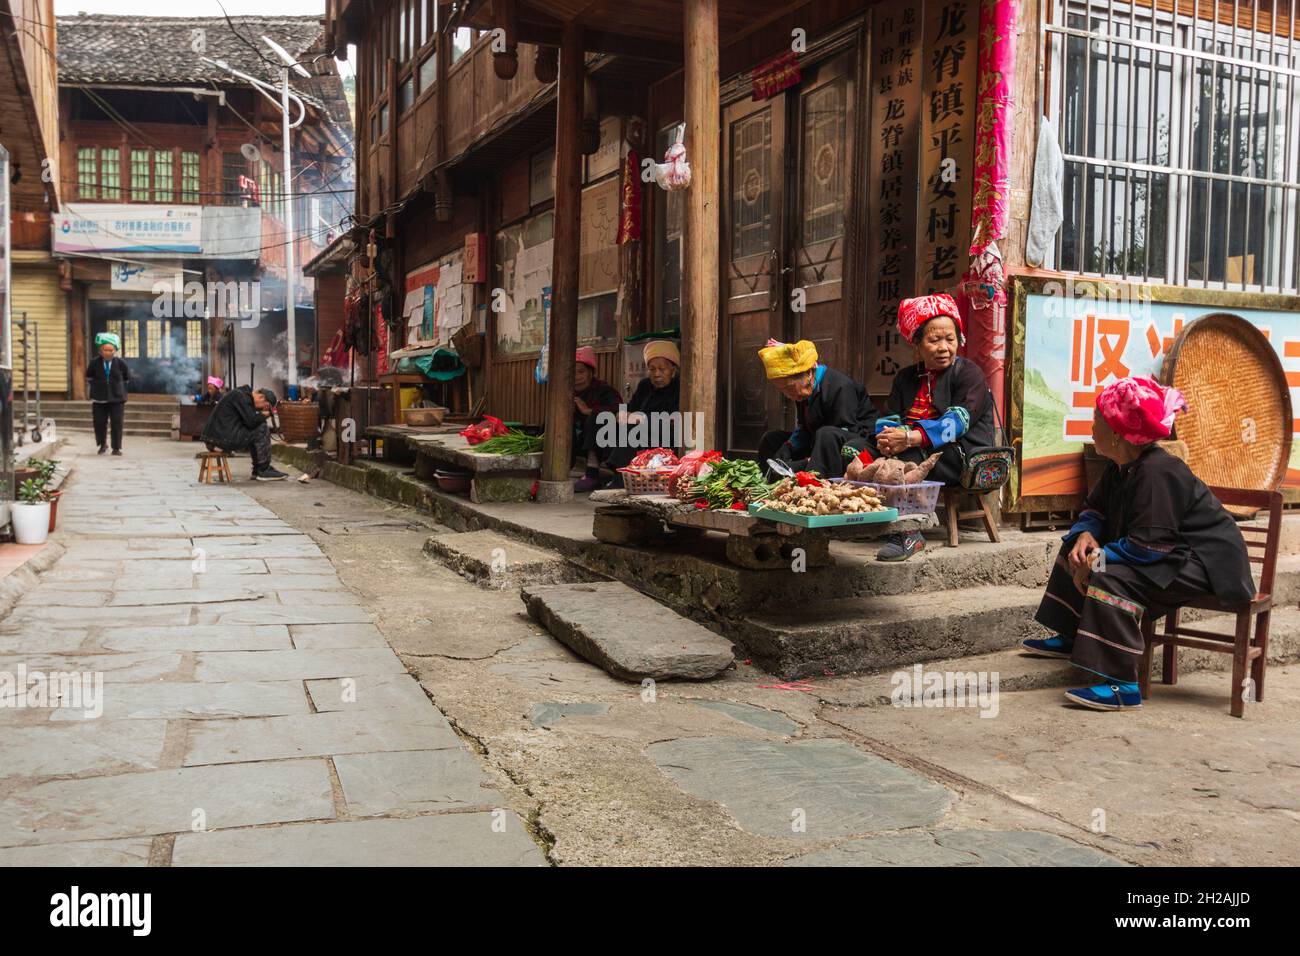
{"x": 700, "y": 232}
{"x": 557, "y": 453}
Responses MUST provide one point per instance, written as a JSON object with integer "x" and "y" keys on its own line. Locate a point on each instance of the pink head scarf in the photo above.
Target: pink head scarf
{"x": 1139, "y": 409}
{"x": 587, "y": 356}
{"x": 213, "y": 380}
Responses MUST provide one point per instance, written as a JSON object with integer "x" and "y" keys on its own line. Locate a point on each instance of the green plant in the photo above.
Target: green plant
{"x": 46, "y": 467}
{"x": 33, "y": 492}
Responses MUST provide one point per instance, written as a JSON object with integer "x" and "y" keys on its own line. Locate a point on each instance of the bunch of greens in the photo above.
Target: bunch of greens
{"x": 731, "y": 483}
{"x": 513, "y": 442}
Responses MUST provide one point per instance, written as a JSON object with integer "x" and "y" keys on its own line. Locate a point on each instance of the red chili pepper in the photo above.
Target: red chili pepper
{"x": 701, "y": 504}
{"x": 737, "y": 506}
{"x": 806, "y": 478}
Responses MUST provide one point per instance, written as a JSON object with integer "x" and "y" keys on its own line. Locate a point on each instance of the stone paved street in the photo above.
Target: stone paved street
{"x": 252, "y": 713}
{"x": 290, "y": 678}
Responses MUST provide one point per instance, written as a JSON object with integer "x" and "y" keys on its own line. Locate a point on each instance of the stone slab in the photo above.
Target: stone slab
{"x": 628, "y": 634}
{"x": 314, "y": 735}
{"x": 198, "y": 700}
{"x": 116, "y": 668}
{"x": 369, "y": 692}
{"x": 295, "y": 665}
{"x": 165, "y": 801}
{"x": 320, "y": 637}
{"x": 759, "y": 717}
{"x": 455, "y": 839}
{"x": 88, "y": 746}
{"x": 86, "y": 853}
{"x": 551, "y": 712}
{"x": 261, "y": 614}
{"x": 494, "y": 560}
{"x": 413, "y": 781}
{"x": 830, "y": 786}
{"x": 199, "y": 637}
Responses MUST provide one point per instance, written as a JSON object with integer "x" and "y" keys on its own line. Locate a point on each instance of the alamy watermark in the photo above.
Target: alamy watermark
{"x": 177, "y": 299}
{"x": 624, "y": 429}
{"x": 74, "y": 690}
{"x": 921, "y": 688}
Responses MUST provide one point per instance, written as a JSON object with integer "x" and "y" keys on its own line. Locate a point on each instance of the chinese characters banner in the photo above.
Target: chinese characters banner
{"x": 951, "y": 47}
{"x": 896, "y": 103}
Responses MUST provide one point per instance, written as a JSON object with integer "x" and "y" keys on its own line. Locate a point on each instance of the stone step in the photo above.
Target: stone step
{"x": 494, "y": 560}
{"x": 88, "y": 418}
{"x": 858, "y": 635}
{"x": 128, "y": 428}
{"x": 631, "y": 636}
{"x": 1018, "y": 671}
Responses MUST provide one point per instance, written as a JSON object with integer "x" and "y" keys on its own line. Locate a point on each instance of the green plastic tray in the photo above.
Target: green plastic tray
{"x": 824, "y": 521}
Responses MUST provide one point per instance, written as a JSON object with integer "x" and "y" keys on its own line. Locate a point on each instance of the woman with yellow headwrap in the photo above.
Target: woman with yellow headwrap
{"x": 832, "y": 411}
{"x": 106, "y": 379}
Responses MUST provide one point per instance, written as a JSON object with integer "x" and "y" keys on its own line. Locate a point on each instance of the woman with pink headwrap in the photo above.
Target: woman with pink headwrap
{"x": 1150, "y": 539}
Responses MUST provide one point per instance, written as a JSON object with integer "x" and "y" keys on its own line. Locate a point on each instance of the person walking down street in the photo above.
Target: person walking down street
{"x": 107, "y": 377}
{"x": 240, "y": 423}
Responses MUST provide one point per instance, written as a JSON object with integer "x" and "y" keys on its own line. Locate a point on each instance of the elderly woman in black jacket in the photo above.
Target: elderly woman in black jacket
{"x": 106, "y": 380}
{"x": 940, "y": 404}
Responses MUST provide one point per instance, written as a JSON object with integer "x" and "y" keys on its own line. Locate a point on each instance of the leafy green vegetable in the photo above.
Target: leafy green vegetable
{"x": 731, "y": 481}
{"x": 513, "y": 442}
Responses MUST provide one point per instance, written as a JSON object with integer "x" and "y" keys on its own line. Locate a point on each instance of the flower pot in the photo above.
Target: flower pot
{"x": 54, "y": 509}
{"x": 31, "y": 523}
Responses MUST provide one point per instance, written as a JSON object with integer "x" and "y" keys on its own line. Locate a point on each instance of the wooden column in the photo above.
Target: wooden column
{"x": 558, "y": 450}
{"x": 79, "y": 355}
{"x": 700, "y": 230}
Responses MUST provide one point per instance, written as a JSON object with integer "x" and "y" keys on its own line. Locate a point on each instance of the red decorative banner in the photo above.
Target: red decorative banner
{"x": 629, "y": 214}
{"x": 776, "y": 75}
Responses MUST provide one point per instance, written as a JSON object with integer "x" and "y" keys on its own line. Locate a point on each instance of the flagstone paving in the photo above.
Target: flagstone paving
{"x": 250, "y": 710}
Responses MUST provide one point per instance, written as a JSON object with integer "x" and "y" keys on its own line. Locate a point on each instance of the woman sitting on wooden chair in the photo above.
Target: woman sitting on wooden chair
{"x": 942, "y": 403}
{"x": 1145, "y": 543}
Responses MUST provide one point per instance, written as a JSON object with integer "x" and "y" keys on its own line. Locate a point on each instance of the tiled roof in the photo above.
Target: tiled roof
{"x": 160, "y": 51}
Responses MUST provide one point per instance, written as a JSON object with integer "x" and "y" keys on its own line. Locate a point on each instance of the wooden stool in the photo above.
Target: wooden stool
{"x": 951, "y": 504}
{"x": 213, "y": 466}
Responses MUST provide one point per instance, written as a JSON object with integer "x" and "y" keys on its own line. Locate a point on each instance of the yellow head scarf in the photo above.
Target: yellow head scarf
{"x": 782, "y": 359}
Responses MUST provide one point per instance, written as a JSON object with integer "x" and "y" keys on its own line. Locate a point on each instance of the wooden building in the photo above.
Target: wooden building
{"x": 173, "y": 173}
{"x": 29, "y": 133}
{"x": 844, "y": 155}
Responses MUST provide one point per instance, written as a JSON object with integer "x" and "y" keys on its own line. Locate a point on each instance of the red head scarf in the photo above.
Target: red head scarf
{"x": 1139, "y": 409}
{"x": 914, "y": 313}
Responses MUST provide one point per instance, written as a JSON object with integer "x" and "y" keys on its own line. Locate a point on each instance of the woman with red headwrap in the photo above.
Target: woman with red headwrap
{"x": 941, "y": 403}
{"x": 1144, "y": 544}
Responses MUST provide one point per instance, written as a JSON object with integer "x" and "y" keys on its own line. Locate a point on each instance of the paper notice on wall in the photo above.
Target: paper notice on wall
{"x": 451, "y": 301}
{"x": 598, "y": 260}
{"x": 533, "y": 272}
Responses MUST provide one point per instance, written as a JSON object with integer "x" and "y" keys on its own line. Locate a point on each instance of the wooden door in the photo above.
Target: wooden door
{"x": 819, "y": 194}
{"x": 753, "y": 190}
{"x": 787, "y": 190}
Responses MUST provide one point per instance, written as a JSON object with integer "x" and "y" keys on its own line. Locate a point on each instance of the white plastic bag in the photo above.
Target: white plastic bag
{"x": 675, "y": 171}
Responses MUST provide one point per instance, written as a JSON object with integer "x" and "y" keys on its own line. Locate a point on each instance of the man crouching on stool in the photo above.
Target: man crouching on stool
{"x": 239, "y": 423}
{"x": 1144, "y": 544}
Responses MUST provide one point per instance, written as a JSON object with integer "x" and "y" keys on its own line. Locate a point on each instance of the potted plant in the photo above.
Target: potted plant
{"x": 47, "y": 467}
{"x": 30, "y": 514}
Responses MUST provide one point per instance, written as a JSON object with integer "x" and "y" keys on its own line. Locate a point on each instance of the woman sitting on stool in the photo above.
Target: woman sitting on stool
{"x": 941, "y": 403}
{"x": 659, "y": 393}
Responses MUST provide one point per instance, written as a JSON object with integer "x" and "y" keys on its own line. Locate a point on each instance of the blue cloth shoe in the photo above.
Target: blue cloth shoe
{"x": 1056, "y": 646}
{"x": 1107, "y": 697}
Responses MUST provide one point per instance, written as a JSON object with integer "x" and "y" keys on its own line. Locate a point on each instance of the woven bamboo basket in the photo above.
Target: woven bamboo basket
{"x": 1237, "y": 427}
{"x": 298, "y": 420}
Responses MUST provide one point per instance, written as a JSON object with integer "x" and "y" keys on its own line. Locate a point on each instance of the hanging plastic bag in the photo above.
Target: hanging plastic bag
{"x": 675, "y": 171}
{"x": 489, "y": 427}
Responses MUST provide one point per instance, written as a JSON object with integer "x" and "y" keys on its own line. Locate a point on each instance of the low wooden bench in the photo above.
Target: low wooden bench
{"x": 754, "y": 543}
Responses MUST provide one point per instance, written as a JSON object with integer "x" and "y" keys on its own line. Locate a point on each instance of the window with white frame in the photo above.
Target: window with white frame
{"x": 1179, "y": 121}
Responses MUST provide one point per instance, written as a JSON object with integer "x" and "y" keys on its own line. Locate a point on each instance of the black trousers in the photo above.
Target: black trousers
{"x": 255, "y": 441}
{"x": 1105, "y": 624}
{"x": 826, "y": 456}
{"x": 106, "y": 413}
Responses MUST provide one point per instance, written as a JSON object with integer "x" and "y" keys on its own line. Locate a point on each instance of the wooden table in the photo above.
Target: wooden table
{"x": 755, "y": 543}
{"x": 493, "y": 477}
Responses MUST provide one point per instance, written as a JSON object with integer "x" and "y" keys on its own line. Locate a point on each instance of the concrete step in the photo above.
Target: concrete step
{"x": 628, "y": 634}
{"x": 1018, "y": 671}
{"x": 492, "y": 560}
{"x": 138, "y": 431}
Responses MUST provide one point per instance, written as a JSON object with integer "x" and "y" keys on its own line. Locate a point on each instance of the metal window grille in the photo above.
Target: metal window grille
{"x": 1179, "y": 121}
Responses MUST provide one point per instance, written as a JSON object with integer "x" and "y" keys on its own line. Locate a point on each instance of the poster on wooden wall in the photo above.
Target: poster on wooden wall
{"x": 895, "y": 92}
{"x": 598, "y": 261}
